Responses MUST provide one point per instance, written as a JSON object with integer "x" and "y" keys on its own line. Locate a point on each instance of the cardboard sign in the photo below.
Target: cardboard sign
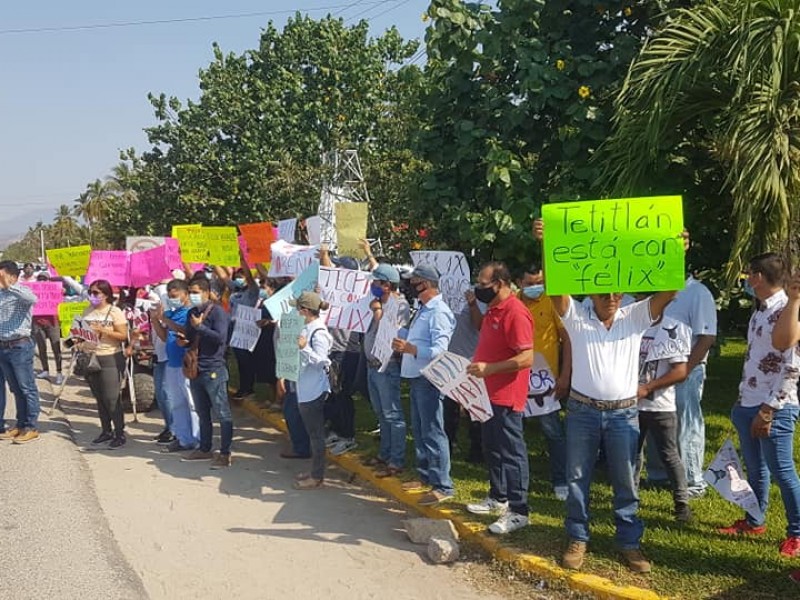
{"x": 70, "y": 261}
{"x": 289, "y": 260}
{"x": 259, "y": 241}
{"x": 314, "y": 230}
{"x": 448, "y": 373}
{"x": 192, "y": 242}
{"x": 223, "y": 246}
{"x": 111, "y": 265}
{"x": 278, "y": 304}
{"x": 139, "y": 243}
{"x": 623, "y": 245}
{"x": 347, "y": 292}
{"x": 725, "y": 475}
{"x": 454, "y": 275}
{"x": 541, "y": 389}
{"x": 287, "y": 353}
{"x": 49, "y": 294}
{"x": 351, "y": 226}
{"x": 150, "y": 266}
{"x": 245, "y": 331}
{"x": 67, "y": 313}
{"x": 286, "y": 230}
{"x": 387, "y": 331}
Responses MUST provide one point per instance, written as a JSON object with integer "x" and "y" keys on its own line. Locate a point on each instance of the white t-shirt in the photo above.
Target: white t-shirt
{"x": 605, "y": 362}
{"x": 663, "y": 345}
{"x": 695, "y": 306}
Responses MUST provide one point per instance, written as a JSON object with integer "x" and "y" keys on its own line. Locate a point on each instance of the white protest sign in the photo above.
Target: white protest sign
{"x": 454, "y": 275}
{"x": 245, "y": 331}
{"x": 287, "y": 353}
{"x": 725, "y": 475}
{"x": 289, "y": 260}
{"x": 314, "y": 229}
{"x": 139, "y": 243}
{"x": 278, "y": 304}
{"x": 286, "y": 230}
{"x": 347, "y": 292}
{"x": 387, "y": 331}
{"x": 81, "y": 328}
{"x": 448, "y": 372}
{"x": 541, "y": 389}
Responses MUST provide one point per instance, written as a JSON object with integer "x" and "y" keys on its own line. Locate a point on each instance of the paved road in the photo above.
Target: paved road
{"x": 183, "y": 531}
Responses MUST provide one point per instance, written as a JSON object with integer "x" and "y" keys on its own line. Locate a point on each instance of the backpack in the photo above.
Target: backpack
{"x": 334, "y": 370}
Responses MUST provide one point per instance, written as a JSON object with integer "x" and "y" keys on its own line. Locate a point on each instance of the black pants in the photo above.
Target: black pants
{"x": 43, "y": 333}
{"x": 339, "y": 409}
{"x": 105, "y": 386}
{"x": 246, "y": 363}
{"x": 663, "y": 428}
{"x": 452, "y": 417}
{"x": 313, "y": 415}
{"x": 507, "y": 458}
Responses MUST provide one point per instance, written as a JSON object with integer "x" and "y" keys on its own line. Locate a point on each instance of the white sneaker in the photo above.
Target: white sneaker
{"x": 43, "y": 375}
{"x": 331, "y": 440}
{"x": 489, "y": 506}
{"x": 561, "y": 492}
{"x": 343, "y": 445}
{"x": 59, "y": 379}
{"x": 508, "y": 522}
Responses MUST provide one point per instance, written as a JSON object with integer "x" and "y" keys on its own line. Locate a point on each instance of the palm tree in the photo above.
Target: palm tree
{"x": 65, "y": 229}
{"x": 93, "y": 204}
{"x": 731, "y": 69}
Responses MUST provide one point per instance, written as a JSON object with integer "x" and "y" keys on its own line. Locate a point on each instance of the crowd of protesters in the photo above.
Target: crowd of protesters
{"x": 629, "y": 372}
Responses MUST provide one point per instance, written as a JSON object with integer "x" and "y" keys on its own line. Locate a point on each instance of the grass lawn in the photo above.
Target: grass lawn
{"x": 691, "y": 562}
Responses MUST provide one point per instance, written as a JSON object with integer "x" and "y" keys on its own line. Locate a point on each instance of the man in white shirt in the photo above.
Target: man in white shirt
{"x": 602, "y": 412}
{"x": 767, "y": 410}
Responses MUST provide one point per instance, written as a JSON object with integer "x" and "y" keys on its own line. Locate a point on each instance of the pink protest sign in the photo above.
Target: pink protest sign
{"x": 244, "y": 249}
{"x": 173, "y": 253}
{"x": 49, "y": 295}
{"x": 111, "y": 265}
{"x": 150, "y": 266}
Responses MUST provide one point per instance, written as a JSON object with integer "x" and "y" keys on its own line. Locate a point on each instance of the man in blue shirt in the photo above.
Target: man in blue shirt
{"x": 16, "y": 352}
{"x": 428, "y": 336}
{"x": 207, "y": 327}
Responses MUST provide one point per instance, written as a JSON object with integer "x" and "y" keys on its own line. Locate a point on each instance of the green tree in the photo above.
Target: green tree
{"x": 65, "y": 230}
{"x": 728, "y": 72}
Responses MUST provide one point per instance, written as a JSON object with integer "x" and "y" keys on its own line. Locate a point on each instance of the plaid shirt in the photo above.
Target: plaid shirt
{"x": 16, "y": 304}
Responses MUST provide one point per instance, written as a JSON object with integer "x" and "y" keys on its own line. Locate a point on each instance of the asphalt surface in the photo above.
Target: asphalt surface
{"x": 55, "y": 541}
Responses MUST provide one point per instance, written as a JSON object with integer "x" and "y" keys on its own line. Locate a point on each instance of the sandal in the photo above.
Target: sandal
{"x": 389, "y": 471}
{"x": 308, "y": 484}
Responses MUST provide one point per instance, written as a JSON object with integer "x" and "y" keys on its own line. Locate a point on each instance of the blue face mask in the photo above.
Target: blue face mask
{"x": 748, "y": 289}
{"x": 196, "y": 299}
{"x": 174, "y": 303}
{"x": 533, "y": 291}
{"x": 263, "y": 294}
{"x": 238, "y": 282}
{"x": 376, "y": 290}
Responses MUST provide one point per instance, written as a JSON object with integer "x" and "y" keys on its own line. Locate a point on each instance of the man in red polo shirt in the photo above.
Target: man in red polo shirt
{"x": 503, "y": 358}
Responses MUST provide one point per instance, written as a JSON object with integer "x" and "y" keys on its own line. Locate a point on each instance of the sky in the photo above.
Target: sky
{"x": 72, "y": 97}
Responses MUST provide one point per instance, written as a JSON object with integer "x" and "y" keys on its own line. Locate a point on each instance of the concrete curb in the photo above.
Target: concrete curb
{"x": 599, "y": 587}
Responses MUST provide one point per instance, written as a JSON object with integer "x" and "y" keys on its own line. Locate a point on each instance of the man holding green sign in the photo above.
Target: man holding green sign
{"x": 604, "y": 248}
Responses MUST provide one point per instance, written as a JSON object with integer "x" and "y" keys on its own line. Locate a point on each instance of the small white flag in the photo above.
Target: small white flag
{"x": 725, "y": 475}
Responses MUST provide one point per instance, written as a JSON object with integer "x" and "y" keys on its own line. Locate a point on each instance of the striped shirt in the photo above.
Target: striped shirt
{"x": 16, "y": 304}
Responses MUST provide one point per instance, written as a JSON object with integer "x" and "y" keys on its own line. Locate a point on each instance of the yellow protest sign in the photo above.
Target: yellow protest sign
{"x": 223, "y": 246}
{"x": 351, "y": 226}
{"x": 193, "y": 243}
{"x": 72, "y": 261}
{"x": 621, "y": 245}
{"x": 67, "y": 311}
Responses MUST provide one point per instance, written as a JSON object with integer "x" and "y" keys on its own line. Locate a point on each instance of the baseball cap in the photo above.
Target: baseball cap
{"x": 309, "y": 300}
{"x": 423, "y": 271}
{"x": 386, "y": 272}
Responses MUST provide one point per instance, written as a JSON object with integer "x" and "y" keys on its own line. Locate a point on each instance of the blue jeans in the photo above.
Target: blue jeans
{"x": 431, "y": 447}
{"x": 553, "y": 430}
{"x": 16, "y": 361}
{"x": 384, "y": 394}
{"x": 184, "y": 423}
{"x": 210, "y": 393}
{"x": 506, "y": 458}
{"x": 617, "y": 431}
{"x": 301, "y": 444}
{"x": 159, "y": 369}
{"x": 691, "y": 434}
{"x": 771, "y": 456}
{"x": 2, "y": 402}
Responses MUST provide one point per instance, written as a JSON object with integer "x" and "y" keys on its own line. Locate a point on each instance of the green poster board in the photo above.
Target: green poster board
{"x": 621, "y": 245}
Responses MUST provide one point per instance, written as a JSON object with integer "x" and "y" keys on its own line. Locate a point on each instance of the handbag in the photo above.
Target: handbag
{"x": 191, "y": 368}
{"x": 87, "y": 362}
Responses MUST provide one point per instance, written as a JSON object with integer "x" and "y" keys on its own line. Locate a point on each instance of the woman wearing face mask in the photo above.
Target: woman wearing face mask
{"x": 245, "y": 292}
{"x": 108, "y": 323}
{"x": 313, "y": 386}
{"x": 264, "y": 352}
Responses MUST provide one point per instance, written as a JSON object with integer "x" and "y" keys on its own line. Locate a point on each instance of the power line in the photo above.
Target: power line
{"x": 113, "y": 25}
{"x": 371, "y": 8}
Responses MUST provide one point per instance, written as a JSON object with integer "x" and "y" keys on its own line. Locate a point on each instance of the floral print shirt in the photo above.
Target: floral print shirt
{"x": 769, "y": 375}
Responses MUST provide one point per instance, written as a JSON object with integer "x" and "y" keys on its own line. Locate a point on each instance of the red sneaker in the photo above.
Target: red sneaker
{"x": 791, "y": 547}
{"x": 742, "y": 527}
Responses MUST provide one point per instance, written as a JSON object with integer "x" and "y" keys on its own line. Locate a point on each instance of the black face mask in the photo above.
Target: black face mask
{"x": 485, "y": 294}
{"x": 414, "y": 292}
